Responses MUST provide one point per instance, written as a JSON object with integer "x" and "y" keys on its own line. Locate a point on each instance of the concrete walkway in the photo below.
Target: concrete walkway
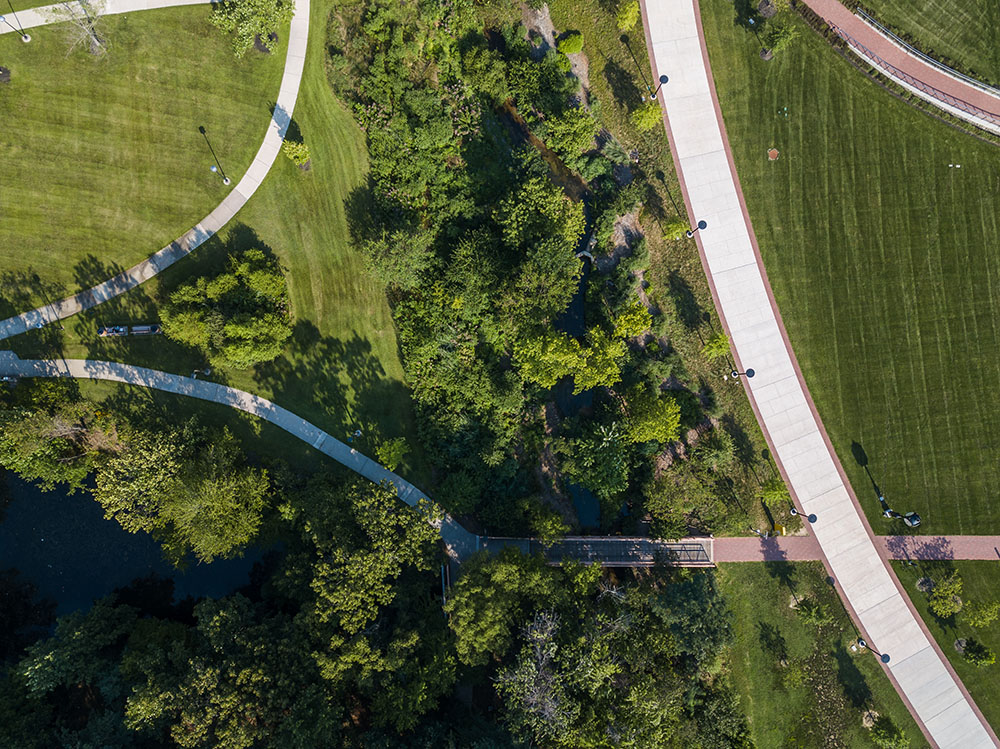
{"x": 223, "y": 213}
{"x": 974, "y": 103}
{"x": 778, "y": 394}
{"x": 458, "y": 540}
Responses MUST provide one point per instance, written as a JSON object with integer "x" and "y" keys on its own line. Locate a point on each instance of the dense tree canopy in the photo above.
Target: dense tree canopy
{"x": 240, "y": 317}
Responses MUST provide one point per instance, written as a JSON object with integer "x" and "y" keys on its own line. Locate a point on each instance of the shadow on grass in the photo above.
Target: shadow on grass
{"x": 772, "y": 641}
{"x": 24, "y": 290}
{"x": 856, "y": 688}
{"x": 689, "y": 311}
{"x": 622, "y": 84}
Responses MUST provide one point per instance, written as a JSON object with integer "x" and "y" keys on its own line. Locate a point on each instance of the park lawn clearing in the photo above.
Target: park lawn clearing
{"x": 882, "y": 255}
{"x": 979, "y": 583}
{"x": 964, "y": 31}
{"x": 835, "y": 686}
{"x": 103, "y": 162}
{"x": 341, "y": 369}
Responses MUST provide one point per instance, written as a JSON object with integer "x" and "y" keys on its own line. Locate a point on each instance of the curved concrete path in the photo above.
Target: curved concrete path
{"x": 977, "y": 104}
{"x": 778, "y": 393}
{"x": 458, "y": 540}
{"x": 294, "y": 62}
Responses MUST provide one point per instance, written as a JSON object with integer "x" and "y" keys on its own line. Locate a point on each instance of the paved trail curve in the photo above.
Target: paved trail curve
{"x": 298, "y": 35}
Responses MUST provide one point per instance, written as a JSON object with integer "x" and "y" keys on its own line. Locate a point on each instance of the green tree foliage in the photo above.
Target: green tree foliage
{"x": 50, "y": 435}
{"x": 571, "y": 43}
{"x": 598, "y": 461}
{"x": 980, "y": 614}
{"x": 392, "y": 452}
{"x": 251, "y": 20}
{"x": 945, "y": 598}
{"x": 978, "y": 654}
{"x": 716, "y": 347}
{"x": 297, "y": 152}
{"x": 653, "y": 416}
{"x": 774, "y": 494}
{"x": 814, "y": 612}
{"x": 676, "y": 229}
{"x": 548, "y": 357}
{"x": 627, "y": 15}
{"x": 190, "y": 488}
{"x": 696, "y": 614}
{"x": 779, "y": 35}
{"x": 634, "y": 321}
{"x": 240, "y": 317}
{"x": 885, "y": 734}
{"x": 647, "y": 117}
{"x": 571, "y": 133}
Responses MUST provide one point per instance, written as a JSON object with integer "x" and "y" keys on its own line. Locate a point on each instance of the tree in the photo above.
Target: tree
{"x": 82, "y": 19}
{"x": 634, "y": 321}
{"x": 945, "y": 599}
{"x": 571, "y": 43}
{"x": 779, "y": 36}
{"x": 598, "y": 461}
{"x": 297, "y": 152}
{"x": 189, "y": 488}
{"x": 774, "y": 494}
{"x": 241, "y": 316}
{"x": 392, "y": 452}
{"x": 252, "y": 20}
{"x": 627, "y": 15}
{"x": 571, "y": 133}
{"x": 716, "y": 346}
{"x": 885, "y": 734}
{"x": 978, "y": 654}
{"x": 647, "y": 117}
{"x": 980, "y": 614}
{"x": 676, "y": 229}
{"x": 696, "y": 614}
{"x": 652, "y": 416}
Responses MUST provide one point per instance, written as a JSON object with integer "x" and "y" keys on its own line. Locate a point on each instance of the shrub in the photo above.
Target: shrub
{"x": 297, "y": 152}
{"x": 716, "y": 347}
{"x": 774, "y": 493}
{"x": 945, "y": 598}
{"x": 571, "y": 43}
{"x": 814, "y": 612}
{"x": 885, "y": 735}
{"x": 646, "y": 117}
{"x": 779, "y": 36}
{"x": 627, "y": 15}
{"x": 978, "y": 654}
{"x": 980, "y": 615}
{"x": 250, "y": 20}
{"x": 676, "y": 229}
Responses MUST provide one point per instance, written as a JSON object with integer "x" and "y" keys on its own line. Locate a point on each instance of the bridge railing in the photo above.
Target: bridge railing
{"x": 932, "y": 91}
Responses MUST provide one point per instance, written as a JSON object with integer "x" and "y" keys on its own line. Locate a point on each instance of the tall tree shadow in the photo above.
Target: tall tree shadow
{"x": 622, "y": 84}
{"x": 21, "y": 291}
{"x": 772, "y": 641}
{"x": 685, "y": 302}
{"x": 855, "y": 685}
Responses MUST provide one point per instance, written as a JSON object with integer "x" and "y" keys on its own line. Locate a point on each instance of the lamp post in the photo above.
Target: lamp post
{"x": 206, "y": 372}
{"x": 735, "y": 374}
{"x": 663, "y": 79}
{"x": 765, "y": 53}
{"x": 884, "y": 657}
{"x": 700, "y": 225}
{"x": 24, "y": 37}
{"x": 811, "y": 517}
{"x": 217, "y": 166}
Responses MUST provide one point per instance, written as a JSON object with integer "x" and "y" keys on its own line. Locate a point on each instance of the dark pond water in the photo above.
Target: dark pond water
{"x": 63, "y": 545}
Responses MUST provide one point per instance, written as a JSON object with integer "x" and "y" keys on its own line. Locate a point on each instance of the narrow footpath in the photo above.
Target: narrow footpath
{"x": 778, "y": 394}
{"x": 295, "y": 59}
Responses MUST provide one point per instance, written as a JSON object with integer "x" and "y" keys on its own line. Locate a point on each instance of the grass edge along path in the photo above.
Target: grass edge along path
{"x": 877, "y": 251}
{"x": 798, "y": 681}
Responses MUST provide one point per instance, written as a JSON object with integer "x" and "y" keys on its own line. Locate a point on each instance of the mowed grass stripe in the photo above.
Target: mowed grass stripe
{"x": 102, "y": 157}
{"x": 882, "y": 260}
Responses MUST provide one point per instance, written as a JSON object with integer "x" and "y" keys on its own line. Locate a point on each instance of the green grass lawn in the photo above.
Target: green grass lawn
{"x": 835, "y": 687}
{"x": 883, "y": 261}
{"x": 342, "y": 369}
{"x": 964, "y": 31}
{"x": 102, "y": 157}
{"x": 979, "y": 584}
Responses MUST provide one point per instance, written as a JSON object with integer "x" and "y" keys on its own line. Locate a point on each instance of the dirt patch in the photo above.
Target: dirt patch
{"x": 624, "y": 235}
{"x": 960, "y": 645}
{"x": 869, "y": 718}
{"x": 258, "y": 43}
{"x": 925, "y": 585}
{"x": 679, "y": 450}
{"x": 540, "y": 31}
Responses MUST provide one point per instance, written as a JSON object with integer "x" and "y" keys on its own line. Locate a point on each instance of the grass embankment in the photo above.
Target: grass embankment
{"x": 882, "y": 258}
{"x": 341, "y": 370}
{"x": 963, "y": 32}
{"x": 801, "y": 685}
{"x": 619, "y": 76}
{"x": 102, "y": 158}
{"x": 979, "y": 584}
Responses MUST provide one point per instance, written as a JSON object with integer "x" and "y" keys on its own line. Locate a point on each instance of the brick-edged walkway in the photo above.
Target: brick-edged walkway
{"x": 805, "y": 548}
